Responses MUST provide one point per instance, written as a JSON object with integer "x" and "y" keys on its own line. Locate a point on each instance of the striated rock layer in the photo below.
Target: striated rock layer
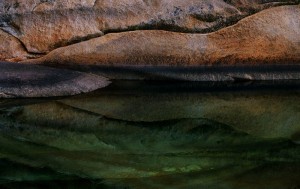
{"x": 271, "y": 36}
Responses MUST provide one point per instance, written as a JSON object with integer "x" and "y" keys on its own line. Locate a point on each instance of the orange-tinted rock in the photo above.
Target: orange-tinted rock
{"x": 271, "y": 36}
{"x": 44, "y": 31}
{"x": 10, "y": 48}
{"x": 25, "y": 6}
{"x": 45, "y": 25}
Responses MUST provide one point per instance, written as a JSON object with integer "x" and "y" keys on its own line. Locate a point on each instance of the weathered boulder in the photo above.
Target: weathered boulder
{"x": 18, "y": 80}
{"x": 271, "y": 36}
{"x": 45, "y": 25}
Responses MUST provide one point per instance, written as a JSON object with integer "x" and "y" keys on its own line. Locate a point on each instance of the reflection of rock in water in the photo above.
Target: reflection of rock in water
{"x": 174, "y": 153}
{"x": 268, "y": 114}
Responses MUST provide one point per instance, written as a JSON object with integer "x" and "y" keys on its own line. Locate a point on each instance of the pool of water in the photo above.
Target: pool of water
{"x": 155, "y": 135}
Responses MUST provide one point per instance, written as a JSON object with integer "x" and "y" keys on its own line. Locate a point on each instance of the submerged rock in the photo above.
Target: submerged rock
{"x": 17, "y": 80}
{"x": 153, "y": 137}
{"x": 268, "y": 114}
{"x": 190, "y": 152}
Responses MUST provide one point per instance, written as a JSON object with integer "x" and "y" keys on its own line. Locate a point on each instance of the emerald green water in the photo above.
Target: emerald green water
{"x": 149, "y": 135}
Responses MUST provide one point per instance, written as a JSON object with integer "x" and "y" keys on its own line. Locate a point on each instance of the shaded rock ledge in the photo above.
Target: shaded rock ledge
{"x": 18, "y": 80}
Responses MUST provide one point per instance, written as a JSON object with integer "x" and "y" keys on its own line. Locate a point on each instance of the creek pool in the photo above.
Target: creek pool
{"x": 137, "y": 134}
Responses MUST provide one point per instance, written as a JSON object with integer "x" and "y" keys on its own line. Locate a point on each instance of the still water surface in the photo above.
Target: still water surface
{"x": 155, "y": 135}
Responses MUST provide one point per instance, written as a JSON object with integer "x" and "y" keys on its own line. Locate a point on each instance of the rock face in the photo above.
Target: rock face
{"x": 42, "y": 26}
{"x": 270, "y": 36}
{"x": 10, "y": 48}
{"x": 36, "y": 81}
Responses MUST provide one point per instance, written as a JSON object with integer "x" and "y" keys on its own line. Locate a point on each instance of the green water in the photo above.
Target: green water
{"x": 144, "y": 135}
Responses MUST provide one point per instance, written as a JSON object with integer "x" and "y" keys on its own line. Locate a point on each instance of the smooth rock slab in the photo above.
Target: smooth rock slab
{"x": 46, "y": 25}
{"x": 268, "y": 37}
{"x": 19, "y": 80}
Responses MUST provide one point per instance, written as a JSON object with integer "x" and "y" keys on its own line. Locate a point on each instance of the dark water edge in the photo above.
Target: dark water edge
{"x": 162, "y": 86}
{"x": 220, "y": 72}
{"x": 155, "y": 134}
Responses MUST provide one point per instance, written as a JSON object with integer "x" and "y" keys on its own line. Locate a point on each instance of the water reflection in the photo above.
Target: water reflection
{"x": 150, "y": 135}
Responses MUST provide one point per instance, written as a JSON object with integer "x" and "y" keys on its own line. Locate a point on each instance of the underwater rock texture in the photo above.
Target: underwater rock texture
{"x": 170, "y": 140}
{"x": 263, "y": 114}
{"x": 18, "y": 80}
{"x": 263, "y": 33}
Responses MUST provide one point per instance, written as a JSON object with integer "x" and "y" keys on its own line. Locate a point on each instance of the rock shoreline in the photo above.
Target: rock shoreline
{"x": 25, "y": 81}
{"x": 190, "y": 40}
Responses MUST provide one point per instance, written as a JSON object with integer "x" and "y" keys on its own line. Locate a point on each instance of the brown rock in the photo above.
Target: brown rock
{"x": 271, "y": 36}
{"x": 11, "y": 48}
{"x": 45, "y": 25}
{"x": 44, "y": 31}
{"x": 25, "y": 6}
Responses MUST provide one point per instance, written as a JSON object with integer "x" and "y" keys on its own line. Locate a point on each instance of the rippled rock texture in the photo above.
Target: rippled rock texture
{"x": 117, "y": 138}
{"x": 112, "y": 32}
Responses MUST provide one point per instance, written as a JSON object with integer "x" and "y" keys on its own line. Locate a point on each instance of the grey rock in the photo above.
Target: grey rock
{"x": 19, "y": 80}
